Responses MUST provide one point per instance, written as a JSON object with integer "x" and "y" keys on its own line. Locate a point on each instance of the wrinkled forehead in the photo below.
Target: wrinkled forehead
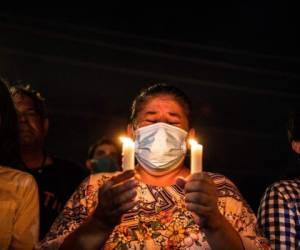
{"x": 164, "y": 102}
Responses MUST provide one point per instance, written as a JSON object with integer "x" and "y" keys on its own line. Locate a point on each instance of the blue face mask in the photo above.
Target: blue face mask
{"x": 104, "y": 164}
{"x": 160, "y": 147}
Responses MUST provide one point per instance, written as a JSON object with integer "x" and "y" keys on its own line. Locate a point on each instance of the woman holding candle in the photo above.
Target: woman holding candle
{"x": 164, "y": 207}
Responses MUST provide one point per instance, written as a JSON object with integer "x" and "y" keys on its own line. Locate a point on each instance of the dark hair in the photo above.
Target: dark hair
{"x": 293, "y": 127}
{"x": 23, "y": 89}
{"x": 9, "y": 130}
{"x": 157, "y": 90}
{"x": 101, "y": 141}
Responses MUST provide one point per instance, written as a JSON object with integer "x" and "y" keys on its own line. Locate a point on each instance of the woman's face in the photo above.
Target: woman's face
{"x": 162, "y": 108}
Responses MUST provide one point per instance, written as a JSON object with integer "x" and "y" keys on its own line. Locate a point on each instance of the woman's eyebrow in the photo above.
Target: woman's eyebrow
{"x": 175, "y": 114}
{"x": 151, "y": 112}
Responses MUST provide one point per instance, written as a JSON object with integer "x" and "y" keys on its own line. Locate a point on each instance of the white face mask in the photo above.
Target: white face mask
{"x": 160, "y": 147}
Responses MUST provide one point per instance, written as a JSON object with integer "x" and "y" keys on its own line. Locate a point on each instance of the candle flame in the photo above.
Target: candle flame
{"x": 126, "y": 140}
{"x": 193, "y": 142}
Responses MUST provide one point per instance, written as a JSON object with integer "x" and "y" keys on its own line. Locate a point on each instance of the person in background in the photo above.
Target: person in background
{"x": 56, "y": 178}
{"x": 279, "y": 211}
{"x": 19, "y": 205}
{"x": 160, "y": 204}
{"x": 103, "y": 156}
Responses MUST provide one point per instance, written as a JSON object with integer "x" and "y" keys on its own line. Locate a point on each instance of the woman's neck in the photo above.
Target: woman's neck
{"x": 162, "y": 180}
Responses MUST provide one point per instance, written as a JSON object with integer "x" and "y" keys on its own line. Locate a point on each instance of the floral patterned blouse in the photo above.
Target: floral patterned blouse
{"x": 159, "y": 221}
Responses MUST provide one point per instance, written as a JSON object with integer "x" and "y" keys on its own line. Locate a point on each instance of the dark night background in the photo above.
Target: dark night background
{"x": 238, "y": 63}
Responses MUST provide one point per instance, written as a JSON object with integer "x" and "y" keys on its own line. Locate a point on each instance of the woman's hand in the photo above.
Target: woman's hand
{"x": 116, "y": 197}
{"x": 201, "y": 198}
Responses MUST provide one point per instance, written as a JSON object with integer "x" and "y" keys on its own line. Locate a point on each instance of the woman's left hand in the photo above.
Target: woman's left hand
{"x": 201, "y": 198}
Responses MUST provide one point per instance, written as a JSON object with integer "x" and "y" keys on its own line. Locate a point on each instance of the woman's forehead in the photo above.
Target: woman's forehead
{"x": 162, "y": 98}
{"x": 166, "y": 103}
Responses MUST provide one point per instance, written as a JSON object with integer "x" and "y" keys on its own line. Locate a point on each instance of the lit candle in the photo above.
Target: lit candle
{"x": 127, "y": 153}
{"x": 196, "y": 156}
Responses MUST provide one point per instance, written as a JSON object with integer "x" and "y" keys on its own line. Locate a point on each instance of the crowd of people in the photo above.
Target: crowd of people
{"x": 158, "y": 205}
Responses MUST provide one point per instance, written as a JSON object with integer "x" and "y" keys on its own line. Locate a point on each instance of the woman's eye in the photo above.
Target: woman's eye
{"x": 151, "y": 121}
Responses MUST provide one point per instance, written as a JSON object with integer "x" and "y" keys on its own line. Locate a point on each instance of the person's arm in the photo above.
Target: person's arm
{"x": 276, "y": 219}
{"x": 26, "y": 226}
{"x": 115, "y": 198}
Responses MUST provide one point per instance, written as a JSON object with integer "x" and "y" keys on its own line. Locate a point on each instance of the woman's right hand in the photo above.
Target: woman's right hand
{"x": 115, "y": 198}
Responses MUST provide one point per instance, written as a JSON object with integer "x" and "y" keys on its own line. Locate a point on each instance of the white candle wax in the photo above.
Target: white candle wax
{"x": 127, "y": 153}
{"x": 196, "y": 157}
